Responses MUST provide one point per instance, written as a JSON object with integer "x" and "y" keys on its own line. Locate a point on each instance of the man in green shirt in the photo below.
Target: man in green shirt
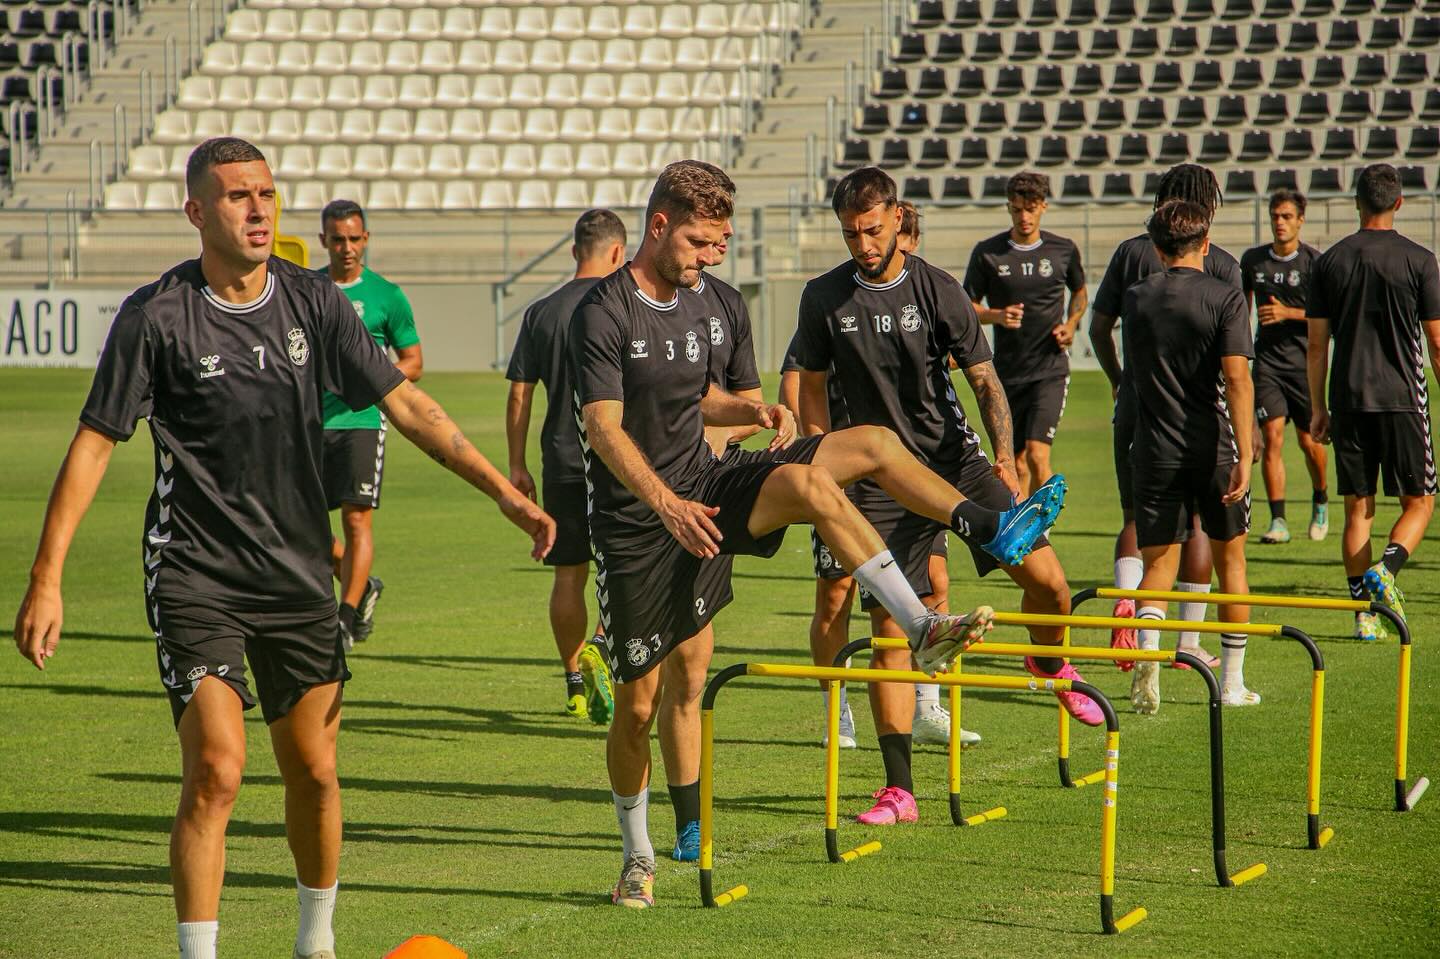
{"x": 355, "y": 442}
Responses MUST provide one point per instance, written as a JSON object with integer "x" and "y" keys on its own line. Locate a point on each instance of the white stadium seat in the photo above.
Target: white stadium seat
{"x": 610, "y": 193}
{"x": 348, "y": 190}
{"x": 556, "y": 160}
{"x": 639, "y": 192}
{"x": 271, "y": 93}
{"x": 196, "y": 93}
{"x": 687, "y": 125}
{"x": 284, "y": 126}
{"x": 583, "y": 57}
{"x": 307, "y": 93}
{"x": 547, "y": 56}
{"x": 496, "y": 23}
{"x": 161, "y": 195}
{"x": 467, "y": 126}
{"x": 415, "y": 92}
{"x": 214, "y": 123}
{"x": 614, "y": 125}
{"x": 173, "y": 126}
{"x": 221, "y": 59}
{"x": 244, "y": 25}
{"x": 534, "y": 195}
{"x": 518, "y": 161}
{"x": 482, "y": 160}
{"x": 541, "y": 126}
{"x": 234, "y": 93}
{"x": 366, "y": 57}
{"x": 676, "y": 21}
{"x": 246, "y": 124}
{"x": 387, "y": 25}
{"x": 281, "y": 25}
{"x": 458, "y": 195}
{"x": 635, "y": 90}
{"x": 379, "y": 92}
{"x": 370, "y": 161}
{"x": 568, "y": 23}
{"x": 577, "y": 125}
{"x": 437, "y": 56}
{"x": 497, "y": 195}
{"x": 531, "y": 23}
{"x": 333, "y": 162}
{"x": 459, "y": 24}
{"x": 296, "y": 163}
{"x": 385, "y": 195}
{"x": 352, "y": 25}
{"x": 504, "y": 126}
{"x": 357, "y": 126}
{"x": 630, "y": 158}
{"x": 603, "y": 23}
{"x": 708, "y": 91}
{"x": 592, "y": 160}
{"x": 671, "y": 90}
{"x": 651, "y": 125}
{"x": 749, "y": 21}
{"x": 402, "y": 57}
{"x": 711, "y": 20}
{"x": 657, "y": 55}
{"x": 526, "y": 91}
{"x": 598, "y": 90}
{"x": 640, "y": 23}
{"x": 179, "y": 161}
{"x": 693, "y": 53}
{"x": 431, "y": 126}
{"x": 423, "y": 24}
{"x": 394, "y": 126}
{"x": 149, "y": 162}
{"x": 619, "y": 56}
{"x": 342, "y": 92}
{"x": 561, "y": 90}
{"x": 407, "y": 162}
{"x": 293, "y": 57}
{"x": 316, "y": 25}
{"x": 572, "y": 195}
{"x": 452, "y": 91}
{"x": 489, "y": 91}
{"x": 258, "y": 58}
{"x": 123, "y": 196}
{"x": 445, "y": 162}
{"x": 329, "y": 58}
{"x": 422, "y": 195}
{"x": 309, "y": 196}
{"x": 475, "y": 57}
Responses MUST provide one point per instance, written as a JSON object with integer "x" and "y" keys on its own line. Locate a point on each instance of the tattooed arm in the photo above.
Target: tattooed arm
{"x": 995, "y": 413}
{"x": 422, "y": 421}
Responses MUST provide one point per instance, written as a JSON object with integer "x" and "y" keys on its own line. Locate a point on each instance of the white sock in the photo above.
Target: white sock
{"x": 1192, "y": 613}
{"x": 317, "y": 911}
{"x": 633, "y": 813}
{"x": 1129, "y": 570}
{"x": 886, "y": 581}
{"x": 926, "y": 693}
{"x": 1149, "y": 638}
{"x": 197, "y": 939}
{"x": 1232, "y": 660}
{"x": 844, "y": 696}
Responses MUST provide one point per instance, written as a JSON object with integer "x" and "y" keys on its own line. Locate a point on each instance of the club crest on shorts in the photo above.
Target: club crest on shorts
{"x": 717, "y": 331}
{"x": 692, "y": 347}
{"x": 1047, "y": 269}
{"x": 826, "y": 560}
{"x": 638, "y": 650}
{"x": 197, "y": 673}
{"x": 910, "y": 318}
{"x": 299, "y": 349}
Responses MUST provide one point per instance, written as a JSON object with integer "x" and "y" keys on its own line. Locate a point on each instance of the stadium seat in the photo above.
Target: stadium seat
{"x": 1328, "y": 72}
{"x": 990, "y": 117}
{"x": 1104, "y": 44}
{"x": 1238, "y": 10}
{"x": 328, "y": 58}
{"x": 1273, "y": 110}
{"x": 1255, "y": 147}
{"x": 1411, "y": 69}
{"x": 1025, "y": 47}
{"x": 196, "y": 93}
{"x": 284, "y": 126}
{"x": 1314, "y": 109}
{"x": 1014, "y": 152}
{"x": 1246, "y": 75}
{"x": 1396, "y": 106}
{"x": 1297, "y": 147}
{"x": 431, "y": 126}
{"x": 1054, "y": 151}
{"x": 1042, "y": 13}
{"x": 1009, "y": 82}
{"x": 1126, "y": 79}
{"x": 1070, "y": 115}
{"x": 1355, "y": 107}
{"x": 592, "y": 160}
{"x": 1077, "y": 186}
{"x": 1369, "y": 71}
{"x": 614, "y": 125}
{"x": 1384, "y": 35}
{"x": 271, "y": 93}
{"x": 917, "y": 189}
{"x": 386, "y": 25}
{"x": 1117, "y": 186}
{"x": 949, "y": 47}
{"x": 342, "y": 92}
{"x": 909, "y": 48}
{"x": 173, "y": 126}
{"x": 953, "y": 118}
{"x": 1339, "y": 145}
{"x": 1214, "y": 148}
{"x": 955, "y": 189}
{"x": 1303, "y": 37}
{"x": 1325, "y": 181}
{"x": 332, "y": 162}
{"x": 1143, "y": 44}
{"x": 931, "y": 83}
{"x": 526, "y": 91}
{"x": 350, "y": 25}
{"x": 969, "y": 83}
{"x": 1281, "y": 180}
{"x": 296, "y": 162}
{"x": 148, "y": 162}
{"x": 1094, "y": 151}
{"x": 123, "y": 195}
{"x": 1134, "y": 150}
{"x": 993, "y": 187}
{"x": 1424, "y": 32}
{"x": 987, "y": 48}
{"x": 1190, "y": 112}
{"x": 1184, "y": 43}
{"x": 1223, "y": 41}
{"x": 379, "y": 92}
{"x": 386, "y": 195}
{"x": 1381, "y": 143}
{"x": 161, "y": 195}
{"x": 1081, "y": 13}
{"x": 1424, "y": 143}
{"x": 1004, "y": 13}
{"x": 894, "y": 153}
{"x": 1030, "y": 116}
{"x": 1240, "y": 183}
{"x": 1264, "y": 38}
{"x": 397, "y": 126}
{"x": 915, "y": 117}
{"x": 1086, "y": 81}
{"x": 1110, "y": 115}
{"x": 1205, "y": 76}
{"x": 1049, "y": 81}
{"x": 974, "y": 153}
{"x": 1064, "y": 45}
{"x": 968, "y": 13}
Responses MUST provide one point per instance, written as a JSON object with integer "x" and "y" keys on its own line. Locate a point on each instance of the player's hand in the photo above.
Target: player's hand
{"x": 536, "y": 523}
{"x": 1012, "y": 315}
{"x": 690, "y": 523}
{"x": 1064, "y": 335}
{"x": 1004, "y": 471}
{"x": 782, "y": 421}
{"x": 1239, "y": 482}
{"x": 1320, "y": 425}
{"x": 521, "y": 479}
{"x": 1269, "y": 313}
{"x": 37, "y": 624}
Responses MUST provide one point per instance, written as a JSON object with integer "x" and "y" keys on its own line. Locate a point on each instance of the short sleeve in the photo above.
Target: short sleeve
{"x": 400, "y": 329}
{"x": 977, "y": 281}
{"x": 1315, "y": 301}
{"x": 122, "y": 392}
{"x": 957, "y": 328}
{"x": 1109, "y": 299}
{"x": 811, "y": 348}
{"x": 790, "y": 364}
{"x": 1227, "y": 270}
{"x": 356, "y": 369}
{"x": 1075, "y": 272}
{"x": 1429, "y": 299}
{"x": 597, "y": 354}
{"x": 524, "y": 366}
{"x": 1247, "y": 275}
{"x": 1235, "y": 338}
{"x": 742, "y": 372}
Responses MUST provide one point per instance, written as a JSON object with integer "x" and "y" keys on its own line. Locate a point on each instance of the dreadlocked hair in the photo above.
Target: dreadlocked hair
{"x": 1192, "y": 183}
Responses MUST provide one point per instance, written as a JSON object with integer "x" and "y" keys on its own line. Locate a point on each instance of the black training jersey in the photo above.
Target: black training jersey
{"x": 889, "y": 345}
{"x": 1002, "y": 273}
{"x": 541, "y": 356}
{"x": 1137, "y": 258}
{"x": 233, "y": 394}
{"x": 654, "y": 358}
{"x": 1272, "y": 278}
{"x": 1178, "y": 324}
{"x": 834, "y": 396}
{"x": 1376, "y": 287}
{"x": 732, "y": 348}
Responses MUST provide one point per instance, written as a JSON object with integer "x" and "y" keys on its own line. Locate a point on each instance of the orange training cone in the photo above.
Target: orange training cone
{"x": 425, "y": 947}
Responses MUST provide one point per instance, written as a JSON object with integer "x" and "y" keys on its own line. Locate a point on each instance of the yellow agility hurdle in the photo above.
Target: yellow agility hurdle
{"x": 1406, "y": 796}
{"x": 831, "y": 674}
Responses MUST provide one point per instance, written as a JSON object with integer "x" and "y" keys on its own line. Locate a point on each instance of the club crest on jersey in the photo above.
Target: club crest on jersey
{"x": 638, "y": 650}
{"x": 299, "y": 349}
{"x": 359, "y": 308}
{"x": 1294, "y": 278}
{"x": 212, "y": 366}
{"x": 692, "y": 347}
{"x": 637, "y": 350}
{"x": 910, "y": 318}
{"x": 849, "y": 324}
{"x": 717, "y": 332}
{"x": 1047, "y": 269}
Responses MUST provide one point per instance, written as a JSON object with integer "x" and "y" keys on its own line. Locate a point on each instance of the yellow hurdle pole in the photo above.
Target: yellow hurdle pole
{"x": 1317, "y": 706}
{"x": 707, "y": 799}
{"x": 953, "y": 759}
{"x": 1108, "y": 812}
{"x": 1114, "y": 622}
{"x": 1227, "y": 599}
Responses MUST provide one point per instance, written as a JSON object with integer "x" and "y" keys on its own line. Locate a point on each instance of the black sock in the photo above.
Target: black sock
{"x": 574, "y": 685}
{"x": 895, "y": 751}
{"x": 1049, "y": 664}
{"x": 974, "y": 523}
{"x": 1357, "y": 587}
{"x": 1277, "y": 509}
{"x": 347, "y": 617}
{"x": 1320, "y": 497}
{"x": 686, "y": 800}
{"x": 1394, "y": 558}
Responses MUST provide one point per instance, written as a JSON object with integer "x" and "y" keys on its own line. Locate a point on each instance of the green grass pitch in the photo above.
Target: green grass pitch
{"x": 476, "y": 811}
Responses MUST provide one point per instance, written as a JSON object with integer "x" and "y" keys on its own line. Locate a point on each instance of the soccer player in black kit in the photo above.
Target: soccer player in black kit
{"x": 1134, "y": 260}
{"x": 885, "y": 324}
{"x": 1276, "y": 277}
{"x": 1022, "y": 276}
{"x": 540, "y": 356}
{"x": 227, "y": 357}
{"x": 1188, "y": 348}
{"x": 663, "y": 506}
{"x": 1377, "y": 294}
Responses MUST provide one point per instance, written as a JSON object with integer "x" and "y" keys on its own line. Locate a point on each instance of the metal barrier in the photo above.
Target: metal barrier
{"x": 832, "y": 674}
{"x": 1405, "y": 796}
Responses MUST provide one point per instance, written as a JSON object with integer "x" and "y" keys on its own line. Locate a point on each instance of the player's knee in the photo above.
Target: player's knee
{"x": 633, "y": 716}
{"x": 214, "y": 778}
{"x": 814, "y": 485}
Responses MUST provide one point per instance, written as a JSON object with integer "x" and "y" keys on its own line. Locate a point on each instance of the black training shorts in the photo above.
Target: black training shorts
{"x": 354, "y": 463}
{"x": 288, "y": 651}
{"x": 1281, "y": 392}
{"x": 654, "y": 595}
{"x": 1036, "y": 408}
{"x": 1167, "y": 497}
{"x": 1397, "y": 443}
{"x": 828, "y": 567}
{"x": 1123, "y": 425}
{"x": 566, "y": 502}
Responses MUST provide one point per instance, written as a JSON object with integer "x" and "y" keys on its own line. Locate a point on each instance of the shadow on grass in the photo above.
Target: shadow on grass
{"x": 108, "y": 637}
{"x": 454, "y": 662}
{"x": 419, "y": 787}
{"x": 58, "y": 689}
